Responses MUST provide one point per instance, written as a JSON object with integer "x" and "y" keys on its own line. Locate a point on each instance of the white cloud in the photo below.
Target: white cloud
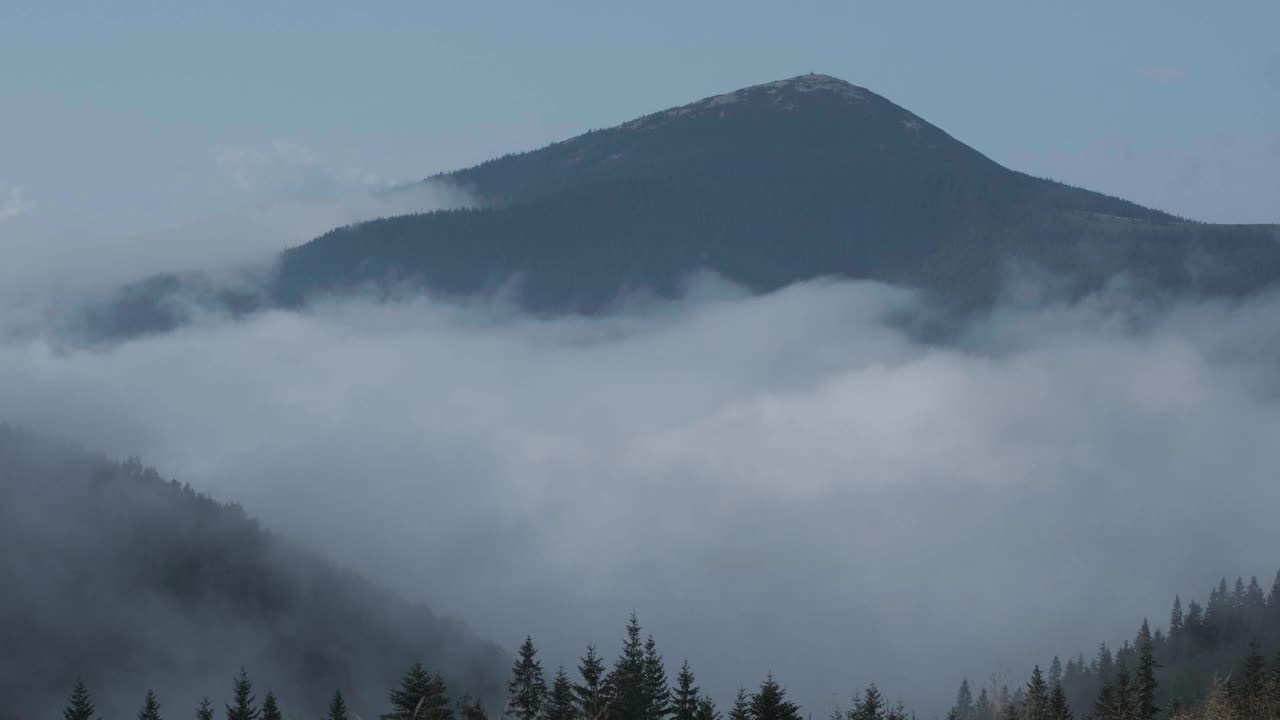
{"x": 289, "y": 168}
{"x": 15, "y": 203}
{"x": 289, "y": 197}
{"x": 1163, "y": 74}
{"x": 790, "y": 482}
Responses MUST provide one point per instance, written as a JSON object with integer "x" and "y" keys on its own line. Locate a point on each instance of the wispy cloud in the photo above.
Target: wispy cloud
{"x": 15, "y": 203}
{"x": 292, "y": 168}
{"x": 1164, "y": 74}
{"x": 285, "y": 196}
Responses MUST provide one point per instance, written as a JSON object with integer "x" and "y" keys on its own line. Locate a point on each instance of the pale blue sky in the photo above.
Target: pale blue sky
{"x": 116, "y": 114}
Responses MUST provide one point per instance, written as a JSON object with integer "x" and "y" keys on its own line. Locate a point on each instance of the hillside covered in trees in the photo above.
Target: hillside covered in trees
{"x": 1218, "y": 659}
{"x": 119, "y": 577}
{"x": 768, "y": 185}
{"x": 126, "y": 582}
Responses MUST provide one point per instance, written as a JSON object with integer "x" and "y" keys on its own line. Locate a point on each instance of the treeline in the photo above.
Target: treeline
{"x": 635, "y": 688}
{"x": 1161, "y": 674}
{"x": 1209, "y": 660}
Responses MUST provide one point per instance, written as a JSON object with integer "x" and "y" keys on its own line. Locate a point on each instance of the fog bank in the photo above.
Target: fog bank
{"x": 790, "y": 483}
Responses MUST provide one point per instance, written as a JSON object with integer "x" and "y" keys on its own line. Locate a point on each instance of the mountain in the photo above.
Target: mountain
{"x": 129, "y": 581}
{"x": 768, "y": 185}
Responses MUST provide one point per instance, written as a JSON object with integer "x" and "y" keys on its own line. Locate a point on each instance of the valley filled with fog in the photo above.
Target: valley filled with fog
{"x": 801, "y": 482}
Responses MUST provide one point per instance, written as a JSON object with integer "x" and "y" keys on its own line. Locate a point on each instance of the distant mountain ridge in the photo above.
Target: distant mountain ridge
{"x": 767, "y": 185}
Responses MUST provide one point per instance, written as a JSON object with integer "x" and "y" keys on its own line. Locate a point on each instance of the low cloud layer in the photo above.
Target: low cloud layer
{"x": 792, "y": 483}
{"x": 280, "y": 196}
{"x": 14, "y": 202}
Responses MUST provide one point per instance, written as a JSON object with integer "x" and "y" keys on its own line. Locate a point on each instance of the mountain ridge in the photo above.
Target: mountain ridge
{"x": 766, "y": 185}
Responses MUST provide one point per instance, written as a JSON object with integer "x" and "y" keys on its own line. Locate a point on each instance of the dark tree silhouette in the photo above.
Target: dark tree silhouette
{"x": 79, "y": 705}
{"x": 242, "y": 706}
{"x": 527, "y": 689}
{"x": 150, "y": 707}
{"x": 337, "y": 707}
{"x": 770, "y": 702}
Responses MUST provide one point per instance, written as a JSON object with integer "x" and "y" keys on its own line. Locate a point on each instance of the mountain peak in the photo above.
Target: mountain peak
{"x": 780, "y": 95}
{"x": 814, "y": 82}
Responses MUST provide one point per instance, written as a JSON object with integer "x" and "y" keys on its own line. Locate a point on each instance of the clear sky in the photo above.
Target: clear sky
{"x": 127, "y": 116}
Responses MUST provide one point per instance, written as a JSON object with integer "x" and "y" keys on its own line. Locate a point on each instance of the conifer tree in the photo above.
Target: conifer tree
{"x": 983, "y": 709}
{"x": 406, "y": 699}
{"x": 271, "y": 709}
{"x": 150, "y": 707}
{"x": 868, "y": 707}
{"x": 1175, "y": 618}
{"x": 684, "y": 705}
{"x": 1003, "y": 700}
{"x": 1037, "y": 705}
{"x": 1104, "y": 705}
{"x": 1145, "y": 688}
{"x": 1059, "y": 708}
{"x": 706, "y": 710}
{"x": 205, "y": 710}
{"x": 79, "y": 705}
{"x": 1253, "y": 680}
{"x": 625, "y": 685}
{"x": 1273, "y": 599}
{"x": 242, "y": 698}
{"x": 1193, "y": 625}
{"x": 1124, "y": 704}
{"x": 770, "y": 702}
{"x": 590, "y": 693}
{"x": 337, "y": 707}
{"x": 527, "y": 689}
{"x": 741, "y": 709}
{"x": 1105, "y": 664}
{"x": 964, "y": 709}
{"x": 421, "y": 696}
{"x": 469, "y": 708}
{"x": 1255, "y": 602}
{"x": 1012, "y": 711}
{"x": 1055, "y": 671}
{"x": 1215, "y": 613}
{"x": 436, "y": 705}
{"x": 560, "y": 703}
{"x": 657, "y": 694}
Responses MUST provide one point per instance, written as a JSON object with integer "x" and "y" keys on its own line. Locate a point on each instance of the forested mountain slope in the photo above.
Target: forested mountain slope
{"x": 1219, "y": 659}
{"x": 770, "y": 185}
{"x": 128, "y": 581}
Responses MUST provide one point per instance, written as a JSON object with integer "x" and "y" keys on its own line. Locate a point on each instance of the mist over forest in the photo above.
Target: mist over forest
{"x": 805, "y": 454}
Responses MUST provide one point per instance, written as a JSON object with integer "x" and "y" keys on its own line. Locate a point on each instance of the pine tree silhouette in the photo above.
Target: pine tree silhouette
{"x": 150, "y": 707}
{"x": 527, "y": 689}
{"x": 79, "y": 705}
{"x": 243, "y": 699}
